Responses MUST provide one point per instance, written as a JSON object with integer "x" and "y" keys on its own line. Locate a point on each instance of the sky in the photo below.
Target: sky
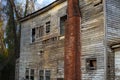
{"x": 42, "y": 3}
{"x": 39, "y": 3}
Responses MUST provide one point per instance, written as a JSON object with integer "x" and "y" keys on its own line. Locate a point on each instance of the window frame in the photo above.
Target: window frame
{"x": 29, "y": 75}
{"x": 41, "y": 31}
{"x": 88, "y": 64}
{"x": 44, "y": 74}
{"x": 48, "y": 24}
{"x": 62, "y": 24}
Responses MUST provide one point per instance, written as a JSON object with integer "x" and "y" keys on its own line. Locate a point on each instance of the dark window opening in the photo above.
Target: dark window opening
{"x": 41, "y": 78}
{"x": 27, "y": 77}
{"x": 91, "y": 64}
{"x": 62, "y": 24}
{"x": 31, "y": 77}
{"x": 48, "y": 27}
{"x": 33, "y": 34}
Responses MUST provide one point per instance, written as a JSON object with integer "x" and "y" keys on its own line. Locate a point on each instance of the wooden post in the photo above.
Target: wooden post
{"x": 72, "y": 42}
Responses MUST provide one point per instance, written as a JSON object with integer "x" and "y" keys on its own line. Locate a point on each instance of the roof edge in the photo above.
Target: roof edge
{"x": 42, "y": 10}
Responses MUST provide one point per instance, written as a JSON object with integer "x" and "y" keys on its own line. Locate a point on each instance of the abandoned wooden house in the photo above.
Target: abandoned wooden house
{"x": 42, "y": 41}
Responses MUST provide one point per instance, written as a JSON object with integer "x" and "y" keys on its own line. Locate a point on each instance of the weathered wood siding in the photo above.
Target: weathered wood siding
{"x": 117, "y": 63}
{"x": 113, "y": 21}
{"x": 52, "y": 57}
{"x": 93, "y": 39}
{"x": 112, "y": 35}
{"x": 93, "y": 42}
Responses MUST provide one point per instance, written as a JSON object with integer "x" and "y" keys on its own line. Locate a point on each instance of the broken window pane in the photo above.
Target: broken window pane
{"x": 91, "y": 64}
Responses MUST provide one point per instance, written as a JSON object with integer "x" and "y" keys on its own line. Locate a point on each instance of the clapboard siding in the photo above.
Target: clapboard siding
{"x": 92, "y": 32}
{"x": 113, "y": 21}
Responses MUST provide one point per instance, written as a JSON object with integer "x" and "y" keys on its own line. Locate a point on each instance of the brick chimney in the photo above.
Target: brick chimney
{"x": 72, "y": 42}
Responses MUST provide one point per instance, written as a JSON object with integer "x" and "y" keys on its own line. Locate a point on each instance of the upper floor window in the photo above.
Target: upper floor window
{"x": 33, "y": 34}
{"x": 37, "y": 32}
{"x": 62, "y": 24}
{"x": 41, "y": 31}
{"x": 47, "y": 27}
{"x": 47, "y": 74}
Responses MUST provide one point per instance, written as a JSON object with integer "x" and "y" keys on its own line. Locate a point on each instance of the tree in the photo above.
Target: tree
{"x": 3, "y": 50}
{"x": 13, "y": 12}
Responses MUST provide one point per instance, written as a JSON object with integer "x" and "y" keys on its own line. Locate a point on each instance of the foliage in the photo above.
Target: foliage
{"x": 13, "y": 11}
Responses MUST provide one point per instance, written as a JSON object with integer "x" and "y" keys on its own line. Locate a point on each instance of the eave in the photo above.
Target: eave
{"x": 42, "y": 10}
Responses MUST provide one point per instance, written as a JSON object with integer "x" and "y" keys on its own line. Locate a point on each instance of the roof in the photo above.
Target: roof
{"x": 42, "y": 10}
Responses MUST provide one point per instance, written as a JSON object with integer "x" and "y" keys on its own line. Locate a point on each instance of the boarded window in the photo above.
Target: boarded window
{"x": 48, "y": 27}
{"x": 62, "y": 24}
{"x": 91, "y": 64}
{"x": 33, "y": 34}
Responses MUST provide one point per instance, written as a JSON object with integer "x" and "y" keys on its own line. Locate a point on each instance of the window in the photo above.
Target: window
{"x": 62, "y": 24}
{"x": 91, "y": 64}
{"x": 32, "y": 74}
{"x": 44, "y": 75}
{"x": 41, "y": 31}
{"x": 47, "y": 74}
{"x": 29, "y": 74}
{"x": 33, "y": 34}
{"x": 48, "y": 27}
{"x": 41, "y": 74}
